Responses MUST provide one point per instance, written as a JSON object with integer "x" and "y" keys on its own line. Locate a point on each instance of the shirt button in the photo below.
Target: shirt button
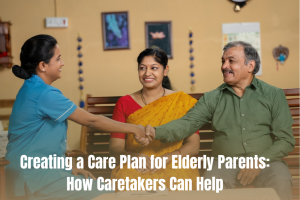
{"x": 243, "y": 115}
{"x": 245, "y": 143}
{"x": 241, "y": 99}
{"x": 244, "y": 129}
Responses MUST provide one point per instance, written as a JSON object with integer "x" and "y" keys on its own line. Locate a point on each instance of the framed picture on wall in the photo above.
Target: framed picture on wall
{"x": 115, "y": 30}
{"x": 159, "y": 34}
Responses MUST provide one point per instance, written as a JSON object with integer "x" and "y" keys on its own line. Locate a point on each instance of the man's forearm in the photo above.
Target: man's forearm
{"x": 277, "y": 151}
{"x": 175, "y": 130}
{"x": 181, "y": 128}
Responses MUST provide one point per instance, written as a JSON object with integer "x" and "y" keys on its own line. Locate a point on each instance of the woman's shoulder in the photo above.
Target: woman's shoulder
{"x": 125, "y": 100}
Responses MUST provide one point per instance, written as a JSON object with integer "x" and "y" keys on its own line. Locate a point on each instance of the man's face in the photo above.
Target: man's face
{"x": 233, "y": 66}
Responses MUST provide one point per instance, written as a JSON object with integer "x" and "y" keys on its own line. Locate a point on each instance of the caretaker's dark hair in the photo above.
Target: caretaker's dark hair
{"x": 249, "y": 51}
{"x": 161, "y": 57}
{"x": 35, "y": 50}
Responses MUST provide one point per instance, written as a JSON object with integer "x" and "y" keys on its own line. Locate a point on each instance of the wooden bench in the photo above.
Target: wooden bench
{"x": 97, "y": 144}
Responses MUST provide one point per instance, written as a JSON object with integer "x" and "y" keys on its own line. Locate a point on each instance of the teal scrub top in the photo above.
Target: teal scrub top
{"x": 37, "y": 128}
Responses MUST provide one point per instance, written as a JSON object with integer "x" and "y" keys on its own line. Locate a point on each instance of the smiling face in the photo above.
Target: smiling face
{"x": 151, "y": 73}
{"x": 234, "y": 69}
{"x": 53, "y": 68}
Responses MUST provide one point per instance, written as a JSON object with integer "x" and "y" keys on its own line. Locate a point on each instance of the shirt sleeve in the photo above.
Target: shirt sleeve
{"x": 54, "y": 105}
{"x": 119, "y": 115}
{"x": 281, "y": 128}
{"x": 192, "y": 121}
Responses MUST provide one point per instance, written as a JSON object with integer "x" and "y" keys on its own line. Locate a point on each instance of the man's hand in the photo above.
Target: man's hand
{"x": 85, "y": 173}
{"x": 246, "y": 176}
{"x": 150, "y": 132}
{"x": 145, "y": 136}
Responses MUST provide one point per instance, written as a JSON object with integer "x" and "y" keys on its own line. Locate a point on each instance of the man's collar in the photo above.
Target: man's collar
{"x": 253, "y": 83}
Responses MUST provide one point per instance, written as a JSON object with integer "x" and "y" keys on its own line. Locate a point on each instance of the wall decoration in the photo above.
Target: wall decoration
{"x": 5, "y": 44}
{"x": 238, "y": 4}
{"x": 80, "y": 71}
{"x": 159, "y": 34}
{"x": 247, "y": 32}
{"x": 191, "y": 50}
{"x": 280, "y": 54}
{"x": 115, "y": 30}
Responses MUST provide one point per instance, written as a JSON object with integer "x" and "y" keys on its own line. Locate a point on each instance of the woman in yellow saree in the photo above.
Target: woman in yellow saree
{"x": 155, "y": 104}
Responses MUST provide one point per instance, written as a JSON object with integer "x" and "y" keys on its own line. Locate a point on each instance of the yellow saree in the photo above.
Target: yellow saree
{"x": 157, "y": 113}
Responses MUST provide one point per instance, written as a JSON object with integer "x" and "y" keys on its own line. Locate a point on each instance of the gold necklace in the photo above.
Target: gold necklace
{"x": 143, "y": 99}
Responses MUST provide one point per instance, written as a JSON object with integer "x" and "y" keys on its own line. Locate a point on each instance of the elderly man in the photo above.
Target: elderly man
{"x": 249, "y": 117}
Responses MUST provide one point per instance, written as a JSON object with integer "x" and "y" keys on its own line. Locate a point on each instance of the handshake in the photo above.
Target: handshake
{"x": 144, "y": 135}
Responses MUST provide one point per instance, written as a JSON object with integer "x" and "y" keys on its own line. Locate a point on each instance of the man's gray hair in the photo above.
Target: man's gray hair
{"x": 249, "y": 51}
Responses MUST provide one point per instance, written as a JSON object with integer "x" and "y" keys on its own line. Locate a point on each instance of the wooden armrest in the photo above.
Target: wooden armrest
{"x": 3, "y": 162}
{"x": 75, "y": 153}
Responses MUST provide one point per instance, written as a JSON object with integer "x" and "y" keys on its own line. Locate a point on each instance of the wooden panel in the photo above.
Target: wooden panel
{"x": 292, "y": 161}
{"x": 295, "y": 151}
{"x": 97, "y": 148}
{"x": 7, "y": 103}
{"x": 4, "y": 117}
{"x": 296, "y": 131}
{"x": 205, "y": 145}
{"x": 296, "y": 122}
{"x": 92, "y": 138}
{"x": 206, "y": 135}
{"x": 197, "y": 95}
{"x": 101, "y": 109}
{"x": 89, "y": 130}
{"x": 294, "y": 171}
{"x": 293, "y": 102}
{"x": 291, "y": 92}
{"x": 3, "y": 162}
{"x": 207, "y": 153}
{"x": 295, "y": 112}
{"x": 102, "y": 100}
{"x": 295, "y": 191}
{"x": 206, "y": 127}
{"x": 296, "y": 182}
